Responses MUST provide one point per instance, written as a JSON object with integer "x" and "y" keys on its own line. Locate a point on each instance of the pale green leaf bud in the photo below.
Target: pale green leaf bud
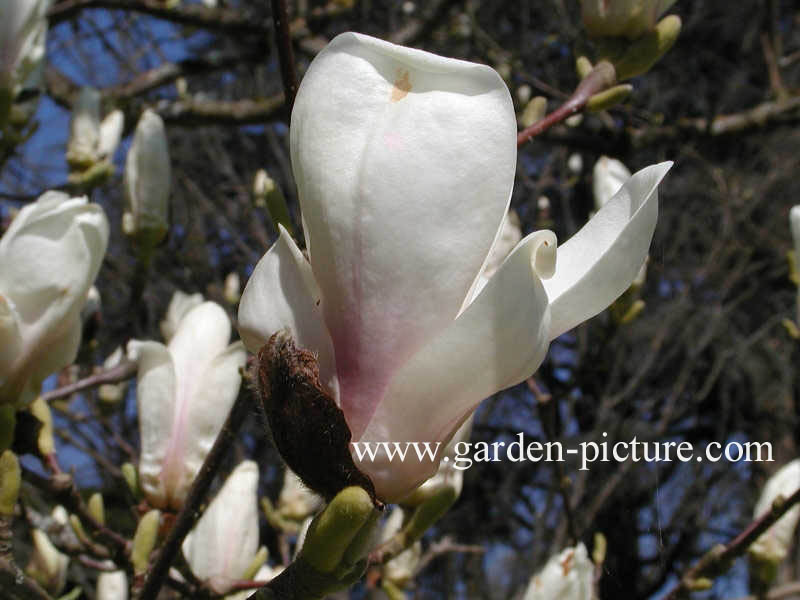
{"x": 10, "y": 482}
{"x": 144, "y": 540}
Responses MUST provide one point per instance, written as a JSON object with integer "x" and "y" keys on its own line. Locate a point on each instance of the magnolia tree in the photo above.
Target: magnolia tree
{"x": 320, "y": 429}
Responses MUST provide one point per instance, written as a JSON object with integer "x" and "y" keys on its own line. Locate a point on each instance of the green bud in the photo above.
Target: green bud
{"x": 608, "y": 98}
{"x": 80, "y": 532}
{"x": 73, "y": 594}
{"x": 267, "y": 193}
{"x": 97, "y": 508}
{"x": 41, "y": 410}
{"x": 600, "y": 549}
{"x": 642, "y": 54}
{"x": 335, "y": 528}
{"x": 427, "y": 513}
{"x": 10, "y": 482}
{"x": 144, "y": 540}
{"x": 534, "y": 111}
{"x": 258, "y": 560}
{"x": 583, "y": 66}
{"x": 634, "y": 310}
{"x": 791, "y": 328}
{"x": 700, "y": 584}
{"x": 132, "y": 479}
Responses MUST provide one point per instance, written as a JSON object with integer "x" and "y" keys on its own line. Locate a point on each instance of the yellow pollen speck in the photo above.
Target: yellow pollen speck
{"x": 402, "y": 85}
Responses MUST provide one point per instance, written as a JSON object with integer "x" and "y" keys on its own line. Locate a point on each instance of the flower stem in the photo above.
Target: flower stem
{"x": 600, "y": 78}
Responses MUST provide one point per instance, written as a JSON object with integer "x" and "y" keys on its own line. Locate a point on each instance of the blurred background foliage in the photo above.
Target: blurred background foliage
{"x": 708, "y": 359}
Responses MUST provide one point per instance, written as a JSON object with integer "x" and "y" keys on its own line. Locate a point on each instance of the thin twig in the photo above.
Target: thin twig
{"x": 197, "y": 493}
{"x": 121, "y": 372}
{"x": 711, "y": 561}
{"x": 283, "y": 40}
{"x": 601, "y": 77}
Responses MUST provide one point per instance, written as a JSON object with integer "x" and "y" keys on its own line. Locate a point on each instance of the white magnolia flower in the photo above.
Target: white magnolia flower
{"x": 774, "y": 544}
{"x": 84, "y": 128}
{"x": 566, "y": 576}
{"x": 49, "y": 257}
{"x": 608, "y": 175}
{"x": 404, "y": 163}
{"x": 112, "y": 585}
{"x": 179, "y": 305}
{"x": 147, "y": 181}
{"x": 23, "y": 29}
{"x": 629, "y": 18}
{"x": 224, "y": 542}
{"x": 184, "y": 391}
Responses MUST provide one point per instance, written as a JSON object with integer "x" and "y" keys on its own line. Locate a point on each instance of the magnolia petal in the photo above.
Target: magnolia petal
{"x": 404, "y": 163}
{"x": 282, "y": 294}
{"x": 112, "y": 585}
{"x": 110, "y": 134}
{"x": 199, "y": 352}
{"x": 50, "y": 255}
{"x": 10, "y": 339}
{"x": 223, "y": 543}
{"x": 155, "y": 395}
{"x": 498, "y": 341}
{"x": 598, "y": 263}
{"x": 204, "y": 418}
{"x": 179, "y": 306}
{"x": 566, "y": 576}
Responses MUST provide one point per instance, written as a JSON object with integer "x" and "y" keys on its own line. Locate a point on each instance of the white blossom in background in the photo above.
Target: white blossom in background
{"x": 147, "y": 181}
{"x": 90, "y": 139}
{"x": 566, "y": 576}
{"x": 404, "y": 163}
{"x": 224, "y": 542}
{"x": 629, "y": 18}
{"x": 774, "y": 544}
{"x": 49, "y": 257}
{"x": 232, "y": 289}
{"x": 296, "y": 501}
{"x": 23, "y": 31}
{"x": 47, "y": 565}
{"x": 185, "y": 391}
{"x": 575, "y": 163}
{"x": 179, "y": 305}
{"x": 112, "y": 393}
{"x": 608, "y": 176}
{"x": 400, "y": 570}
{"x": 112, "y": 585}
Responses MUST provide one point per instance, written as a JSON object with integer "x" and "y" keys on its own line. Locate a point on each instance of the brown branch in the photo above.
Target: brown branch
{"x": 600, "y": 78}
{"x": 720, "y": 557}
{"x": 283, "y": 40}
{"x": 234, "y": 112}
{"x": 444, "y": 546}
{"x": 226, "y": 21}
{"x": 63, "y": 490}
{"x": 197, "y": 493}
{"x": 18, "y": 586}
{"x": 121, "y": 372}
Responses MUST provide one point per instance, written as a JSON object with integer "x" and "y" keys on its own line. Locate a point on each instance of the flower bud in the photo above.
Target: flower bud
{"x": 773, "y": 545}
{"x": 47, "y": 565}
{"x": 112, "y": 585}
{"x": 566, "y": 576}
{"x": 267, "y": 193}
{"x": 110, "y": 134}
{"x": 179, "y": 306}
{"x": 296, "y": 501}
{"x": 628, "y": 18}
{"x": 144, "y": 540}
{"x": 534, "y": 111}
{"x": 22, "y": 45}
{"x": 642, "y": 54}
{"x": 84, "y": 128}
{"x": 112, "y": 393}
{"x": 147, "y": 181}
{"x": 222, "y": 547}
{"x": 97, "y": 508}
{"x": 10, "y": 482}
{"x": 608, "y": 175}
{"x": 232, "y": 290}
{"x": 41, "y": 410}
